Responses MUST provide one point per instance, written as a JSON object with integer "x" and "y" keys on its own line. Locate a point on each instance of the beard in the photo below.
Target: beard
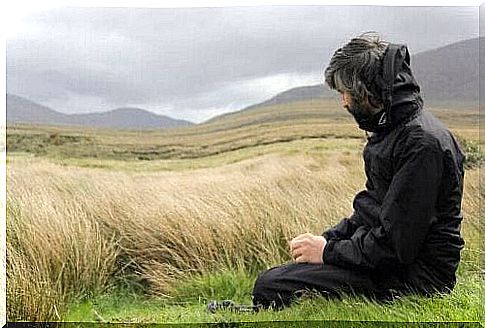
{"x": 368, "y": 118}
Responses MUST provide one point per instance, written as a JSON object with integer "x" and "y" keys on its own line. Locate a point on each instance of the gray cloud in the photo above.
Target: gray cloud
{"x": 184, "y": 61}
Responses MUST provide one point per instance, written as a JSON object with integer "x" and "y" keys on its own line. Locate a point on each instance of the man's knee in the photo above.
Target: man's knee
{"x": 263, "y": 292}
{"x": 266, "y": 291}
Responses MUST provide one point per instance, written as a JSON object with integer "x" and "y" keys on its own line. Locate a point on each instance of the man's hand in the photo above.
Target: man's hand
{"x": 308, "y": 248}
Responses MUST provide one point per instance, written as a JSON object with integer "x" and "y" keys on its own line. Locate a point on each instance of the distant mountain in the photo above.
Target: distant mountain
{"x": 447, "y": 76}
{"x": 127, "y": 118}
{"x": 21, "y": 110}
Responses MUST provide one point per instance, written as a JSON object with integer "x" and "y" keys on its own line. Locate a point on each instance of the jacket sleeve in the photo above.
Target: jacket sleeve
{"x": 407, "y": 211}
{"x": 344, "y": 229}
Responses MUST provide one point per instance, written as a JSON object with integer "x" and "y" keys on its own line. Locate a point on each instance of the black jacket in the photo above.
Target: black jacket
{"x": 406, "y": 223}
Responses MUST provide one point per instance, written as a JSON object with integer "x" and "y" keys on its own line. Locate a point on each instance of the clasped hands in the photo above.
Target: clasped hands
{"x": 308, "y": 248}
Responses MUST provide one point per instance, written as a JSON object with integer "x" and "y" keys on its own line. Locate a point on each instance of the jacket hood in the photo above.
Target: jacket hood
{"x": 400, "y": 91}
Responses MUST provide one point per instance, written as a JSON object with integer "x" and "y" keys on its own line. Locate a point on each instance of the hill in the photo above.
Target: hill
{"x": 21, "y": 110}
{"x": 449, "y": 75}
{"x": 314, "y": 92}
{"x": 228, "y": 139}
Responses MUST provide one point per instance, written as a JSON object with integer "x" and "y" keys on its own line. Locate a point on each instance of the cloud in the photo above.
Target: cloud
{"x": 231, "y": 97}
{"x": 196, "y": 62}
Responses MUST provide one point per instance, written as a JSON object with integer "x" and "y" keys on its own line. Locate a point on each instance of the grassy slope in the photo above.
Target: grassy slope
{"x": 239, "y": 131}
{"x": 316, "y": 132}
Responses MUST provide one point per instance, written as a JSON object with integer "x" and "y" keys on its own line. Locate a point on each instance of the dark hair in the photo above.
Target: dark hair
{"x": 355, "y": 67}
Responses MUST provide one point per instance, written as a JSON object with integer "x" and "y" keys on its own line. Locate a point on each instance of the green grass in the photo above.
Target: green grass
{"x": 189, "y": 300}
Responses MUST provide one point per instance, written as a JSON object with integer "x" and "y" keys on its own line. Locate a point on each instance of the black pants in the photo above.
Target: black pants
{"x": 279, "y": 286}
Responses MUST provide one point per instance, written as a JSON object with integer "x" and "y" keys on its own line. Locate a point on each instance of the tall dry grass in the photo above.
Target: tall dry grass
{"x": 73, "y": 231}
{"x": 56, "y": 249}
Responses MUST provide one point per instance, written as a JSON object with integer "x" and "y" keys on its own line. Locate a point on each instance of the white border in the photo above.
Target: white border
{"x": 30, "y": 5}
{"x": 12, "y": 10}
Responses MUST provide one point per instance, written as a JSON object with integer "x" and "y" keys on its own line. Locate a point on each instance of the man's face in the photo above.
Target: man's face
{"x": 362, "y": 112}
{"x": 354, "y": 106}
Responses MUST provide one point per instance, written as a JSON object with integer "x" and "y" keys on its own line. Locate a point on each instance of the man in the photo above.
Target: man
{"x": 404, "y": 233}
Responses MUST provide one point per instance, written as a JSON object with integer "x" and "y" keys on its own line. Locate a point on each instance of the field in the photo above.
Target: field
{"x": 147, "y": 226}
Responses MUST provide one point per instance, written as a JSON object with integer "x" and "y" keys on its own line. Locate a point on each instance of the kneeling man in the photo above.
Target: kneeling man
{"x": 404, "y": 233}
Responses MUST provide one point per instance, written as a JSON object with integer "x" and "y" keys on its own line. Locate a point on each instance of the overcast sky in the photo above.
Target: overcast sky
{"x": 195, "y": 63}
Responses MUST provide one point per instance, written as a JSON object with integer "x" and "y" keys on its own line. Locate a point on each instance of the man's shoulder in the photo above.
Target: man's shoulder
{"x": 428, "y": 131}
{"x": 424, "y": 130}
{"x": 427, "y": 125}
